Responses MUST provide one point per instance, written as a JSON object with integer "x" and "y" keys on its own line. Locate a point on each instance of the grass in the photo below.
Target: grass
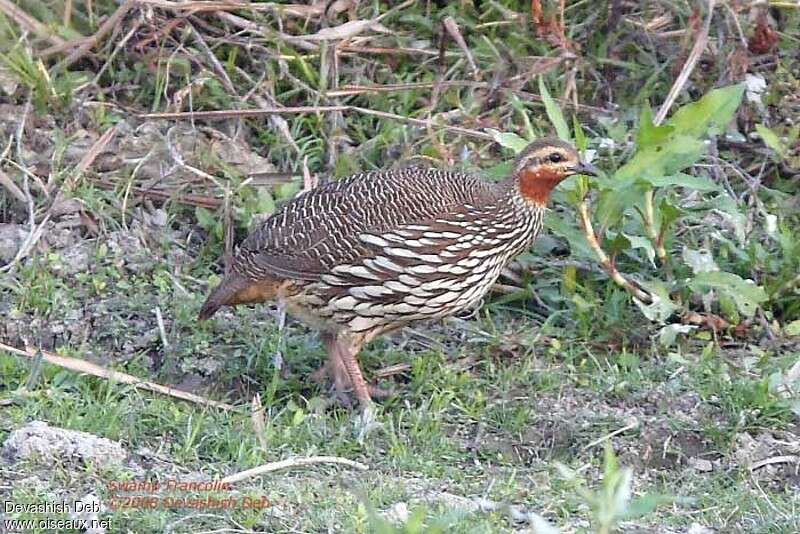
{"x": 557, "y": 399}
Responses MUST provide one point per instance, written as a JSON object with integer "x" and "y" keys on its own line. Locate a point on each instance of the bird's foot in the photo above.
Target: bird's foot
{"x": 336, "y": 375}
{"x": 366, "y": 422}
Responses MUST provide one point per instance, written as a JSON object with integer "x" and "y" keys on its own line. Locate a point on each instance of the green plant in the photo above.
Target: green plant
{"x": 635, "y": 211}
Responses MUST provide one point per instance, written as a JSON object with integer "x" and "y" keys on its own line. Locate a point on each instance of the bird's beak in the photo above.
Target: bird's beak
{"x": 585, "y": 168}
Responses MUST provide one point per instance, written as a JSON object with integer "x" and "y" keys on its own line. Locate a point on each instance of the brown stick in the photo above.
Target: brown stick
{"x": 110, "y": 23}
{"x": 292, "y": 462}
{"x": 29, "y": 23}
{"x": 227, "y": 114}
{"x": 605, "y": 261}
{"x": 83, "y": 366}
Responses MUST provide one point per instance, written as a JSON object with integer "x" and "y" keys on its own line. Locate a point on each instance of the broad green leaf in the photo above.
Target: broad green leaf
{"x": 701, "y": 261}
{"x": 646, "y": 504}
{"x": 553, "y": 112}
{"x": 650, "y": 134}
{"x": 508, "y": 140}
{"x": 577, "y": 242}
{"x": 710, "y": 114}
{"x": 772, "y": 140}
{"x": 792, "y": 329}
{"x": 581, "y": 143}
{"x": 645, "y": 244}
{"x": 662, "y": 159}
{"x": 668, "y": 334}
{"x": 744, "y": 293}
{"x": 662, "y": 307}
{"x": 618, "y": 244}
{"x": 611, "y": 204}
{"x": 681, "y": 179}
{"x": 667, "y": 213}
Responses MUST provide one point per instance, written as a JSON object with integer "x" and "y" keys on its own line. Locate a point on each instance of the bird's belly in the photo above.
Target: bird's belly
{"x": 387, "y": 304}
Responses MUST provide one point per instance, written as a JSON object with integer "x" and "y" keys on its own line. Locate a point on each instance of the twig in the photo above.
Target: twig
{"x": 244, "y": 113}
{"x": 292, "y": 462}
{"x": 227, "y": 114}
{"x": 92, "y": 41}
{"x": 588, "y": 232}
{"x": 788, "y": 459}
{"x": 162, "y": 331}
{"x": 633, "y": 424}
{"x": 217, "y": 66}
{"x": 83, "y": 366}
{"x": 9, "y": 184}
{"x": 451, "y": 26}
{"x": 688, "y": 67}
{"x": 29, "y": 23}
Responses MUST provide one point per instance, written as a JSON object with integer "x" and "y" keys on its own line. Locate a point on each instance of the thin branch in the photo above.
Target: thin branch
{"x": 688, "y": 67}
{"x": 89, "y": 43}
{"x": 227, "y": 114}
{"x": 29, "y": 23}
{"x": 293, "y": 462}
{"x": 83, "y": 366}
{"x": 588, "y": 232}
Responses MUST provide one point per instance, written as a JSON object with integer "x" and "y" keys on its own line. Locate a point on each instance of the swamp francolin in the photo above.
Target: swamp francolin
{"x": 362, "y": 256}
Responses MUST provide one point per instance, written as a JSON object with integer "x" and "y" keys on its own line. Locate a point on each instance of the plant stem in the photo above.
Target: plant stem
{"x": 605, "y": 261}
{"x": 656, "y": 236}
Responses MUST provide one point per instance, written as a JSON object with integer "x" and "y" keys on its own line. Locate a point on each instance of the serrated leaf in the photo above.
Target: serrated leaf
{"x": 709, "y": 114}
{"x": 667, "y": 212}
{"x": 508, "y": 140}
{"x": 553, "y": 112}
{"x": 611, "y": 204}
{"x": 746, "y": 294}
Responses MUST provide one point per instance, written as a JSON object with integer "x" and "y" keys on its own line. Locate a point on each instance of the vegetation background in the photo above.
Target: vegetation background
{"x": 637, "y": 371}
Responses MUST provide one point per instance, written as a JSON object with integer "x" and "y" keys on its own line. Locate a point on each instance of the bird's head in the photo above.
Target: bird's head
{"x": 543, "y": 165}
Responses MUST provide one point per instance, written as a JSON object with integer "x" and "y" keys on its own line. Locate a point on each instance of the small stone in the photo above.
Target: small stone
{"x": 397, "y": 513}
{"x": 700, "y": 529}
{"x": 11, "y": 238}
{"x": 159, "y": 218}
{"x": 700, "y": 464}
{"x": 39, "y": 442}
{"x": 66, "y": 207}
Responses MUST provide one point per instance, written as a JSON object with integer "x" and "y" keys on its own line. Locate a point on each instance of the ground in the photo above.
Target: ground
{"x": 557, "y": 404}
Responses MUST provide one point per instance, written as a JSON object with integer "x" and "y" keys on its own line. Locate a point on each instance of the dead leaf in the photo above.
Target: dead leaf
{"x": 709, "y": 321}
{"x": 764, "y": 37}
{"x": 345, "y": 31}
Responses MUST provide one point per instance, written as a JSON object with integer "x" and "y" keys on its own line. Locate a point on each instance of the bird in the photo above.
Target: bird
{"x": 366, "y": 255}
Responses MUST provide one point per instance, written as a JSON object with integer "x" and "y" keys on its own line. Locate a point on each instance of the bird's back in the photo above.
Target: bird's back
{"x": 319, "y": 229}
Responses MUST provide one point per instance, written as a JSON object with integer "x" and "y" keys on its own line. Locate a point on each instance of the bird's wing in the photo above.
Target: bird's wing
{"x": 325, "y": 227}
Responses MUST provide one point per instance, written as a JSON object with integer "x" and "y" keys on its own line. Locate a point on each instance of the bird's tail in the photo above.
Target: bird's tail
{"x": 223, "y": 295}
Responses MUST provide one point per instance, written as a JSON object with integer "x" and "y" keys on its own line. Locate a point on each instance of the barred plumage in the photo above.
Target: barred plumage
{"x": 362, "y": 256}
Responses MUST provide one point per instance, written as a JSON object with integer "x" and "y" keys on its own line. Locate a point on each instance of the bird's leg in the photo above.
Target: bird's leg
{"x": 347, "y": 349}
{"x": 334, "y": 370}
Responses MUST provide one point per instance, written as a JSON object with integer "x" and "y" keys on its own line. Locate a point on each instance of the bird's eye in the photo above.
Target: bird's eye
{"x": 555, "y": 157}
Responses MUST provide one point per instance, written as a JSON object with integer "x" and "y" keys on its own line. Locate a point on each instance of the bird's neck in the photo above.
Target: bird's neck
{"x": 535, "y": 186}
